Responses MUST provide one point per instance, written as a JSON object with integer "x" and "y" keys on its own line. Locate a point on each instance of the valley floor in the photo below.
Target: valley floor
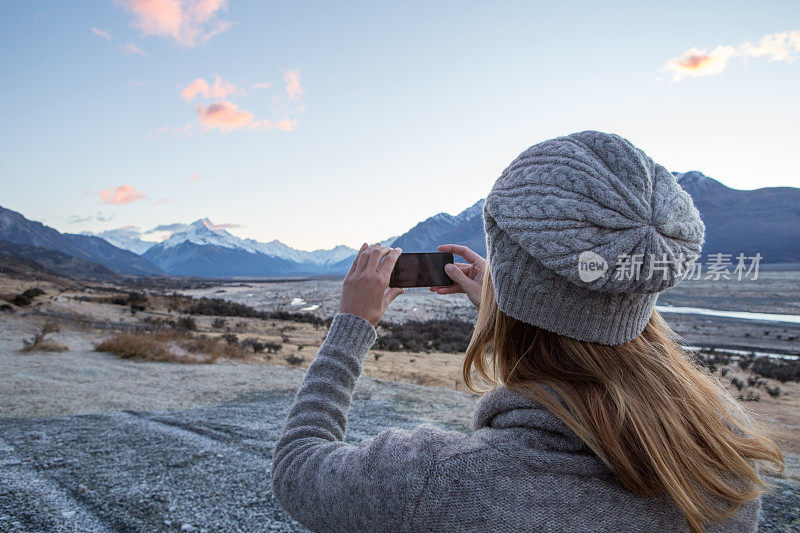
{"x": 85, "y": 435}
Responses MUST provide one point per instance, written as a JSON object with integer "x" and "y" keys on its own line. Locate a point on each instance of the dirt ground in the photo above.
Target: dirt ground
{"x": 85, "y": 435}
{"x": 31, "y": 386}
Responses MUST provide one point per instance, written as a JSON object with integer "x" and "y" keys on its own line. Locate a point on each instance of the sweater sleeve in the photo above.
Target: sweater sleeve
{"x": 328, "y": 485}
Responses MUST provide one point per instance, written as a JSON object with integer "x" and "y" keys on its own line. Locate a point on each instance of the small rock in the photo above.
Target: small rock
{"x": 187, "y": 527}
{"x": 67, "y": 514}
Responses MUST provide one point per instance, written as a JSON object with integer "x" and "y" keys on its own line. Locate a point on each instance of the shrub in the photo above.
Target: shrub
{"x": 782, "y": 370}
{"x": 187, "y": 323}
{"x": 39, "y": 342}
{"x": 6, "y": 308}
{"x": 294, "y": 360}
{"x": 20, "y": 300}
{"x": 169, "y": 346}
{"x": 220, "y": 307}
{"x": 272, "y": 347}
{"x": 230, "y": 338}
{"x": 254, "y": 344}
{"x": 135, "y": 346}
{"x": 425, "y": 336}
{"x": 219, "y": 323}
{"x": 33, "y": 293}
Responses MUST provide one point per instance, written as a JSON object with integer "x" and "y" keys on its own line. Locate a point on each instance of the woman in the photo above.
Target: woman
{"x": 597, "y": 420}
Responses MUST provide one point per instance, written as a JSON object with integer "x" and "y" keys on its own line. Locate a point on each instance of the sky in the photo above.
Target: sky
{"x": 320, "y": 124}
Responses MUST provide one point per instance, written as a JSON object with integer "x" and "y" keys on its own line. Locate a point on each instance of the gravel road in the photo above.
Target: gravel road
{"x": 142, "y": 446}
{"x": 203, "y": 469}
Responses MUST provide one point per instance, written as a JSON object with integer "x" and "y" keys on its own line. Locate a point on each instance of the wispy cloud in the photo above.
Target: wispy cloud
{"x": 695, "y": 63}
{"x": 293, "y": 89}
{"x": 101, "y": 33}
{"x": 260, "y": 85}
{"x": 187, "y": 22}
{"x": 76, "y": 219}
{"x": 173, "y": 228}
{"x": 124, "y": 194}
{"x": 100, "y": 217}
{"x": 193, "y": 178}
{"x": 226, "y": 117}
{"x": 133, "y": 50}
{"x": 161, "y": 201}
{"x": 220, "y": 89}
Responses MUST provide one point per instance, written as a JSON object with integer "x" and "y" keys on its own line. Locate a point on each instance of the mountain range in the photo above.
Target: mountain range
{"x": 765, "y": 221}
{"x": 15, "y": 228}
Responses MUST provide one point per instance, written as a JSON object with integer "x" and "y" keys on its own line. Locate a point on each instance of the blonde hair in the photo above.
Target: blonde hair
{"x": 646, "y": 408}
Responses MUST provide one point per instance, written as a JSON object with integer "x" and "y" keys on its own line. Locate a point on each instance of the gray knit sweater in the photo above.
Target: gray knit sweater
{"x": 521, "y": 470}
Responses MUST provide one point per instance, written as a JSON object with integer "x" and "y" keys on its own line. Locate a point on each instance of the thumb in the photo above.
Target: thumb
{"x": 391, "y": 294}
{"x": 456, "y": 274}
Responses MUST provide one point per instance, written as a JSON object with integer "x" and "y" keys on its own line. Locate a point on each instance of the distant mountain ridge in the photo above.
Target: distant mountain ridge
{"x": 204, "y": 249}
{"x": 16, "y": 228}
{"x": 464, "y": 228}
{"x": 765, "y": 221}
{"x": 55, "y": 262}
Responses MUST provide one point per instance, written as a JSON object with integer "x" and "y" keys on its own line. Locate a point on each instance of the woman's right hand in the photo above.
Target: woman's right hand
{"x": 468, "y": 277}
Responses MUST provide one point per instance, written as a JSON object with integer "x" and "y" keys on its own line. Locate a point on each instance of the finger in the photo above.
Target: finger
{"x": 463, "y": 251}
{"x": 390, "y": 295}
{"x": 456, "y": 274}
{"x": 389, "y": 261}
{"x": 452, "y": 289}
{"x": 363, "y": 258}
{"x": 355, "y": 260}
{"x": 464, "y": 267}
{"x": 376, "y": 253}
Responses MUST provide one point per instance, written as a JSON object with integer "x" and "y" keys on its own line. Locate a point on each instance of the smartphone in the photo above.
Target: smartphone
{"x": 421, "y": 270}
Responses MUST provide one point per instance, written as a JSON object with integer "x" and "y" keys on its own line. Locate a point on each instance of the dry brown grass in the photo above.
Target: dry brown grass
{"x": 170, "y": 346}
{"x": 40, "y": 342}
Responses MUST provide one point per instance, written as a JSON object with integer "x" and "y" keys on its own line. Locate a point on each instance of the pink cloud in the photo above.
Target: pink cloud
{"x": 224, "y": 116}
{"x": 124, "y": 194}
{"x": 696, "y": 63}
{"x": 293, "y": 89}
{"x": 286, "y": 124}
{"x": 101, "y": 33}
{"x": 164, "y": 201}
{"x": 193, "y": 177}
{"x": 220, "y": 89}
{"x": 261, "y": 85}
{"x": 227, "y": 117}
{"x": 133, "y": 50}
{"x": 187, "y": 22}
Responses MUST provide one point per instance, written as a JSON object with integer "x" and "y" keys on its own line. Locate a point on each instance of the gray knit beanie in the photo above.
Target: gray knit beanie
{"x": 583, "y": 232}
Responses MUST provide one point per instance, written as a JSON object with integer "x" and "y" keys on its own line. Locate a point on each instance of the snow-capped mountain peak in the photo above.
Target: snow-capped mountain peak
{"x": 204, "y": 232}
{"x": 127, "y": 238}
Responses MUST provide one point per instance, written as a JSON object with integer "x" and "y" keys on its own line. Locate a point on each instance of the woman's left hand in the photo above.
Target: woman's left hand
{"x": 364, "y": 291}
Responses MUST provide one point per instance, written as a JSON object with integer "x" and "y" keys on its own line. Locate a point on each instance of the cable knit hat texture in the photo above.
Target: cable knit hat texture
{"x": 563, "y": 201}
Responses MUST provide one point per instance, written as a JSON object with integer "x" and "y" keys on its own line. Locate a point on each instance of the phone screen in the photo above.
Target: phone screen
{"x": 421, "y": 270}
